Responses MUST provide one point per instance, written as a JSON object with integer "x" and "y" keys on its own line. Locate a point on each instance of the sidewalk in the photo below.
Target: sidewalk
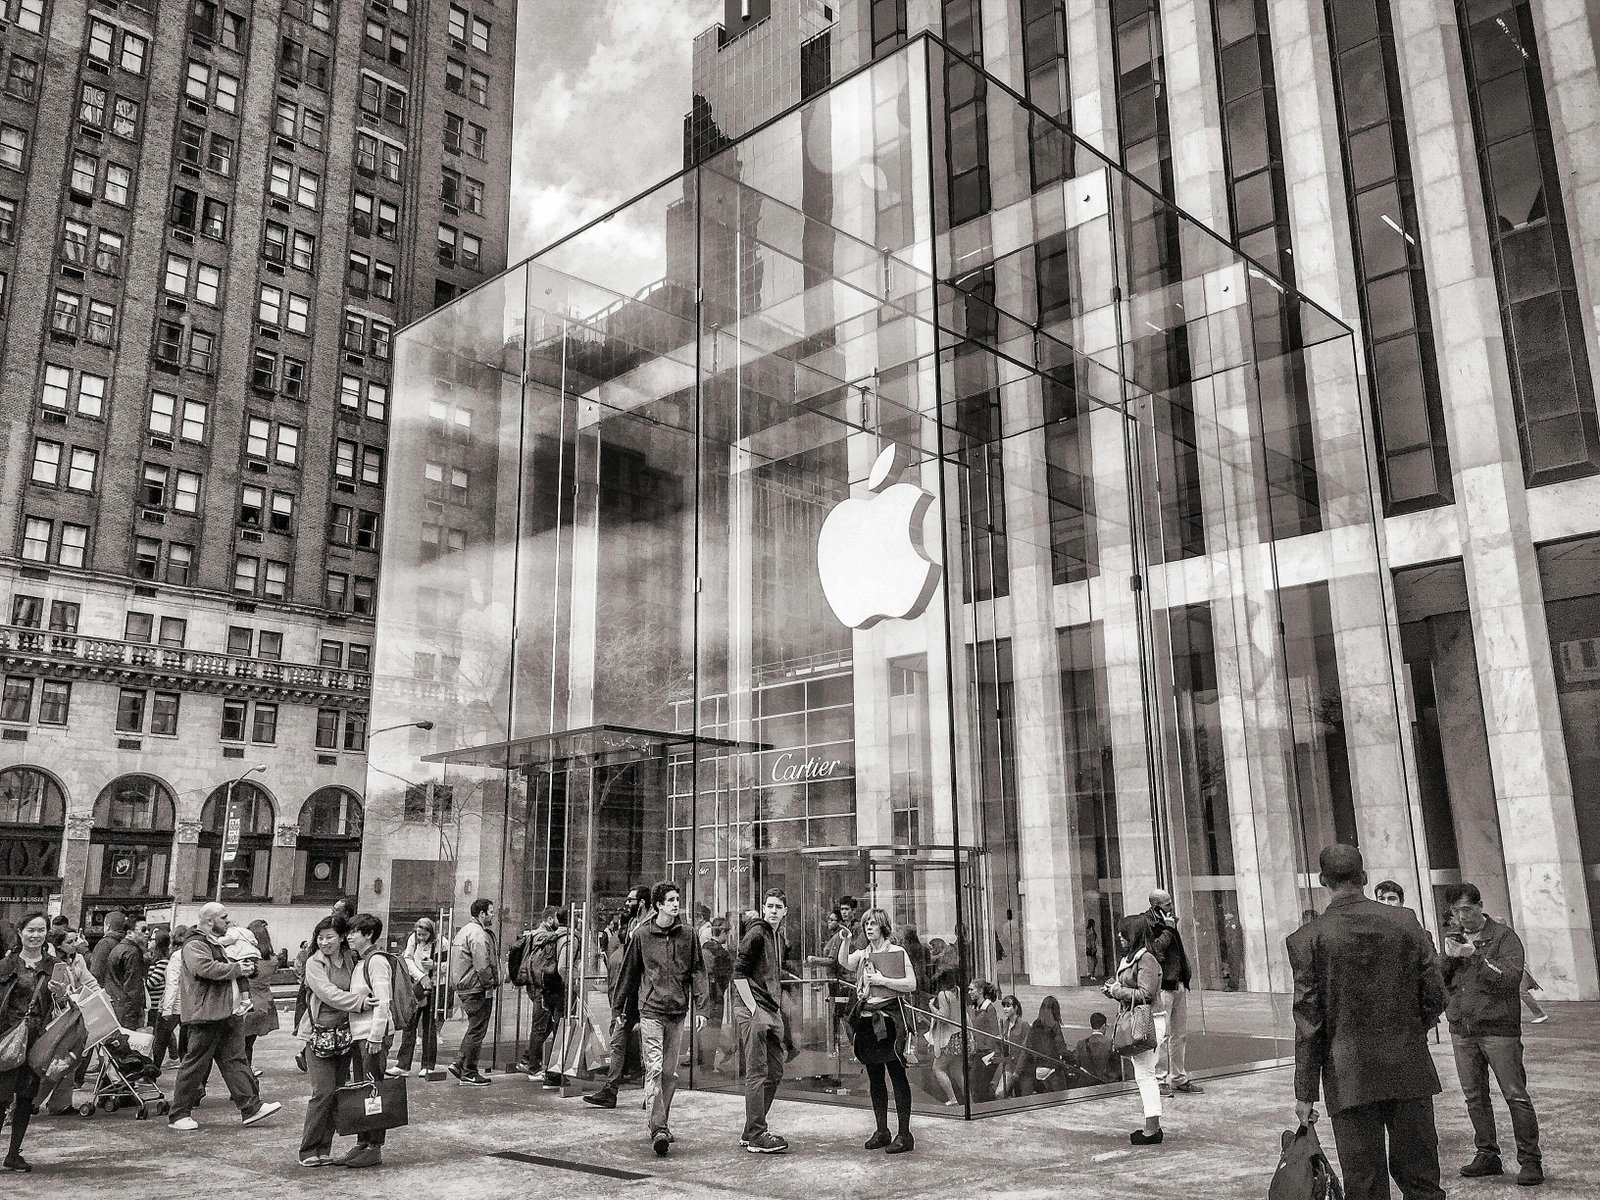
{"x": 1221, "y": 1144}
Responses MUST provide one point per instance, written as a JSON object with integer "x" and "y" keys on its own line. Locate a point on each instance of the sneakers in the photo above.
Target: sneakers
{"x": 1140, "y": 1138}
{"x": 903, "y": 1143}
{"x": 878, "y": 1140}
{"x": 475, "y": 1079}
{"x": 15, "y": 1162}
{"x": 1531, "y": 1175}
{"x": 398, "y": 1072}
{"x": 262, "y": 1112}
{"x": 660, "y": 1142}
{"x": 318, "y": 1160}
{"x": 1166, "y": 1090}
{"x": 1539, "y": 1020}
{"x": 522, "y": 1067}
{"x": 765, "y": 1143}
{"x": 1482, "y": 1164}
{"x": 550, "y": 1082}
{"x": 257, "y": 1072}
{"x": 184, "y": 1125}
{"x": 1189, "y": 1086}
{"x": 606, "y": 1097}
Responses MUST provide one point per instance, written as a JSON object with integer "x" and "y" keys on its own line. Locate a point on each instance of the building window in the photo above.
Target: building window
{"x": 233, "y": 719}
{"x": 1044, "y": 53}
{"x": 55, "y": 702}
{"x": 164, "y": 714}
{"x": 13, "y": 146}
{"x": 146, "y": 557}
{"x": 180, "y": 563}
{"x": 73, "y": 546}
{"x": 328, "y": 848}
{"x": 130, "y": 710}
{"x": 1403, "y": 373}
{"x": 248, "y": 876}
{"x": 1539, "y": 305}
{"x": 246, "y": 571}
{"x": 264, "y": 728}
{"x": 174, "y": 631}
{"x": 46, "y": 462}
{"x": 16, "y": 704}
{"x": 327, "y": 729}
{"x": 269, "y": 645}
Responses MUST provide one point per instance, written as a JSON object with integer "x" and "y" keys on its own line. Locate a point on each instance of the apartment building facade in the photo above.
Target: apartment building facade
{"x": 213, "y": 217}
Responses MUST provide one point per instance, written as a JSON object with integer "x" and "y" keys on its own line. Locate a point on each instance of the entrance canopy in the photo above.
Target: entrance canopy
{"x": 598, "y": 745}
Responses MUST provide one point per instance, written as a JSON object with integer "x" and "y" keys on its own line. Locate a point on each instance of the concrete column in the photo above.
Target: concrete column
{"x": 1190, "y": 68}
{"x": 1534, "y": 793}
{"x": 1091, "y": 72}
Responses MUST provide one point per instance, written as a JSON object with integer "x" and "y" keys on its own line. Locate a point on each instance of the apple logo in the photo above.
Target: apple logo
{"x": 869, "y": 553}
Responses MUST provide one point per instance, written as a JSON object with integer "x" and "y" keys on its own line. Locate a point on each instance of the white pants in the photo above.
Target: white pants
{"x": 1173, "y": 1053}
{"x": 1144, "y": 1070}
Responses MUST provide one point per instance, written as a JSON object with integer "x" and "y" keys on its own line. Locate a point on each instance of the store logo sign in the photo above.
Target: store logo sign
{"x": 793, "y": 767}
{"x": 869, "y": 554}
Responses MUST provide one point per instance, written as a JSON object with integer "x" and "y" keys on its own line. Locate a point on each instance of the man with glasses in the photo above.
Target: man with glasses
{"x": 1483, "y": 965}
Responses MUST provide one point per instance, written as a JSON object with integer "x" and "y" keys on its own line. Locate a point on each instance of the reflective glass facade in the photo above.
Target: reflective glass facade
{"x": 791, "y": 549}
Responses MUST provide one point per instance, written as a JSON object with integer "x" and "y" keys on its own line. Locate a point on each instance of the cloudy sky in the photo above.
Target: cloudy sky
{"x": 602, "y": 86}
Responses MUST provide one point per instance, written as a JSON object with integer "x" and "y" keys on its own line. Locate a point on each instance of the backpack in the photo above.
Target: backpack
{"x": 1304, "y": 1172}
{"x": 403, "y": 1002}
{"x": 541, "y": 964}
{"x": 516, "y": 956}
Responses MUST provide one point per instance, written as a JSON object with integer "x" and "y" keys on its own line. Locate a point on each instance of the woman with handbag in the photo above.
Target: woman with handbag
{"x": 326, "y": 1032}
{"x": 1137, "y": 987}
{"x": 263, "y": 1017}
{"x": 420, "y": 961}
{"x": 24, "y": 1011}
{"x": 877, "y": 1023}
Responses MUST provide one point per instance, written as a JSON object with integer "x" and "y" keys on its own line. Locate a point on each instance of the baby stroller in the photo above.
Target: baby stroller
{"x": 126, "y": 1080}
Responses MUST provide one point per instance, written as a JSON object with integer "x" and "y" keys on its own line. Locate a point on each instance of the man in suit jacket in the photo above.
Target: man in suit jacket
{"x": 1367, "y": 989}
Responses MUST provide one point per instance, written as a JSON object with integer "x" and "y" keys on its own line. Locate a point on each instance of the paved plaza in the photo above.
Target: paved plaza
{"x": 1221, "y": 1144}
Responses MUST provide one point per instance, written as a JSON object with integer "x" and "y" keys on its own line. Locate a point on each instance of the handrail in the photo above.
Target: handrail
{"x": 205, "y": 664}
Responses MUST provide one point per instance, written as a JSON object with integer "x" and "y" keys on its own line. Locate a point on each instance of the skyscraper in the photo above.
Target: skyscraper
{"x": 213, "y": 216}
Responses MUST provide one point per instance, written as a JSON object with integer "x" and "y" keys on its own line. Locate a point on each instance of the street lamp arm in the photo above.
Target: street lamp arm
{"x": 422, "y": 725}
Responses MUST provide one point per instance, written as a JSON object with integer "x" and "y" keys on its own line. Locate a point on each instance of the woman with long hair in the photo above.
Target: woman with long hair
{"x": 1015, "y": 1076}
{"x": 1138, "y": 981}
{"x": 420, "y": 961}
{"x": 326, "y": 1031}
{"x": 884, "y": 979}
{"x": 1048, "y": 1042}
{"x": 263, "y": 1016}
{"x": 24, "y": 1002}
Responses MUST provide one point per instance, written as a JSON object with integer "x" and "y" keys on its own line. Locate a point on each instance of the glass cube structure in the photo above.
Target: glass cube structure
{"x": 903, "y": 503}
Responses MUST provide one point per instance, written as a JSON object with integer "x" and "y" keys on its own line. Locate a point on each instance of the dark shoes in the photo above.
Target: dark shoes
{"x": 1482, "y": 1164}
{"x": 1531, "y": 1175}
{"x": 551, "y": 1081}
{"x": 879, "y": 1140}
{"x": 362, "y": 1156}
{"x": 1189, "y": 1086}
{"x": 660, "y": 1141}
{"x": 1140, "y": 1138}
{"x": 903, "y": 1144}
{"x": 15, "y": 1162}
{"x": 606, "y": 1097}
{"x": 766, "y": 1143}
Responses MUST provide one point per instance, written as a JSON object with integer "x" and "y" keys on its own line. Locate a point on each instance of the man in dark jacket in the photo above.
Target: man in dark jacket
{"x": 209, "y": 1003}
{"x": 663, "y": 973}
{"x": 758, "y": 1019}
{"x": 1166, "y": 943}
{"x": 1483, "y": 964}
{"x": 1367, "y": 989}
{"x": 624, "y": 1019}
{"x": 125, "y": 975}
{"x": 116, "y": 927}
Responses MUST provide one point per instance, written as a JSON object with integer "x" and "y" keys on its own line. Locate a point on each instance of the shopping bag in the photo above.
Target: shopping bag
{"x": 367, "y": 1105}
{"x": 99, "y": 1018}
{"x": 1134, "y": 1031}
{"x": 60, "y": 1048}
{"x": 576, "y": 1046}
{"x": 14, "y": 1047}
{"x": 1304, "y": 1172}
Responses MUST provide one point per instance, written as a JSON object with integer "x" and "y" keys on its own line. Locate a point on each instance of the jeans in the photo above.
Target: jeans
{"x": 429, "y": 1022}
{"x": 1411, "y": 1155}
{"x": 222, "y": 1043}
{"x": 1475, "y": 1058}
{"x": 165, "y": 1028}
{"x": 661, "y": 1040}
{"x": 1172, "y": 1053}
{"x": 327, "y": 1076}
{"x": 622, "y": 1027}
{"x": 539, "y": 1030}
{"x": 479, "y": 1007}
{"x": 761, "y": 1036}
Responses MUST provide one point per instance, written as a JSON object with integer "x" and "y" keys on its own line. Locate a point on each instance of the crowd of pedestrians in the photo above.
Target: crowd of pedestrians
{"x": 1370, "y": 987}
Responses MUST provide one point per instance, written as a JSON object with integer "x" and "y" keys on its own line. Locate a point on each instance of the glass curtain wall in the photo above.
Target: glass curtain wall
{"x": 797, "y": 547}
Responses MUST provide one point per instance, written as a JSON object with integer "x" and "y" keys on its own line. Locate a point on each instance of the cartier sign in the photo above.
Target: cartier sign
{"x": 793, "y": 766}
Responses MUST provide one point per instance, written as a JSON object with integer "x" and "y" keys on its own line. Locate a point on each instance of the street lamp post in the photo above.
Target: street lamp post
{"x": 230, "y": 843}
{"x": 422, "y": 725}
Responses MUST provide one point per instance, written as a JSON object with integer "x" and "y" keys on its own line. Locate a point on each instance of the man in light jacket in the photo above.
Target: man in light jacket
{"x": 209, "y": 1005}
{"x": 663, "y": 972}
{"x": 475, "y": 972}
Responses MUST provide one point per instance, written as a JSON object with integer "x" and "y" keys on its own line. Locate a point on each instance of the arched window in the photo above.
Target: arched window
{"x": 327, "y": 852}
{"x": 130, "y": 847}
{"x": 247, "y": 875}
{"x": 33, "y": 816}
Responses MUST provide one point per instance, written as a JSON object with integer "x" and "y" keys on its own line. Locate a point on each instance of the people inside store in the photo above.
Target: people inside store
{"x": 1052, "y": 1062}
{"x": 1015, "y": 1076}
{"x": 879, "y": 1026}
{"x": 983, "y": 1027}
{"x": 1094, "y": 1056}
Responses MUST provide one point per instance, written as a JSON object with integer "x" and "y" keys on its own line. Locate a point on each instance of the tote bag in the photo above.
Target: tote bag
{"x": 367, "y": 1105}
